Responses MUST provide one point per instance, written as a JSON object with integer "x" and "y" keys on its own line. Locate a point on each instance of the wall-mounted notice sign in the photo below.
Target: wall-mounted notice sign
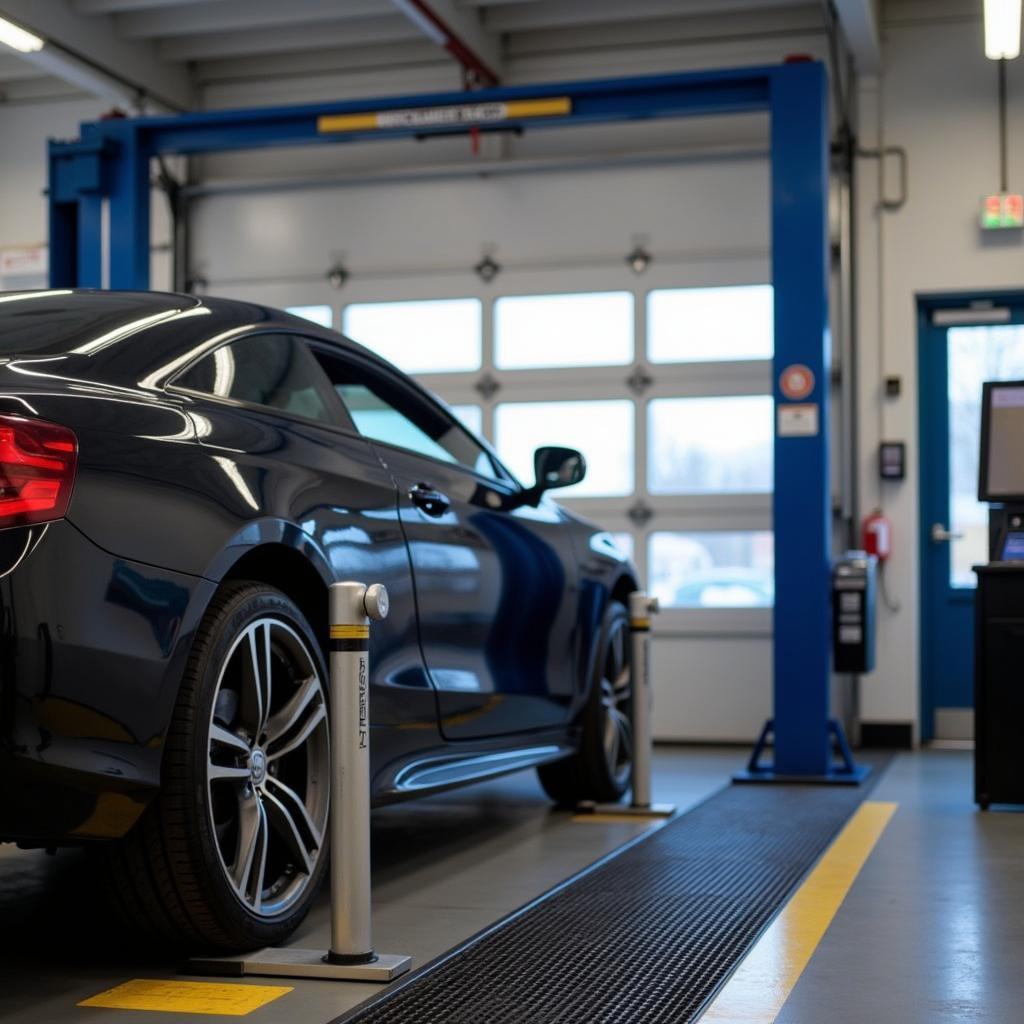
{"x": 798, "y": 420}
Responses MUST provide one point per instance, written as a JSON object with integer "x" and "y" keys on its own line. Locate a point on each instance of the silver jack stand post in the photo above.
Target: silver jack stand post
{"x": 641, "y": 608}
{"x": 351, "y": 956}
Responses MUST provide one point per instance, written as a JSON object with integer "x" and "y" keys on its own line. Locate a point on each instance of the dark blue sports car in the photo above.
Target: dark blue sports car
{"x": 180, "y": 481}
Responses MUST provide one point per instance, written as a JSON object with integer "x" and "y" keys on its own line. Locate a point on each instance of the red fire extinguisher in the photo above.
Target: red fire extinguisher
{"x": 876, "y": 535}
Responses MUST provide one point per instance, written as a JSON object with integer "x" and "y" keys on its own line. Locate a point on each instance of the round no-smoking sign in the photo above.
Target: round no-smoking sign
{"x": 796, "y": 381}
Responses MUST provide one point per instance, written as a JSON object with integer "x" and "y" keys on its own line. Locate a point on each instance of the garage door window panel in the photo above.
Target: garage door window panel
{"x": 710, "y": 324}
{"x": 586, "y": 329}
{"x": 720, "y": 445}
{"x": 431, "y": 336}
{"x": 713, "y": 568}
{"x": 322, "y": 315}
{"x": 602, "y": 430}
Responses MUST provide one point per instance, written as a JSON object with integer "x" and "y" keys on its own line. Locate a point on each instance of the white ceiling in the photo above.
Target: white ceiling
{"x": 206, "y": 53}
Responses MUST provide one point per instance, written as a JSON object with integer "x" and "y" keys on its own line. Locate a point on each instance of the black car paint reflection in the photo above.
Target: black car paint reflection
{"x": 480, "y": 665}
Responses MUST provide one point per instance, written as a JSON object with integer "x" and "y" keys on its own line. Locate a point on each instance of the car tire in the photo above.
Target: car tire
{"x": 602, "y": 767}
{"x": 230, "y": 855}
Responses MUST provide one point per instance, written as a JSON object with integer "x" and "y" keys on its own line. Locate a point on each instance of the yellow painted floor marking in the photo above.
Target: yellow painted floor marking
{"x": 762, "y": 983}
{"x": 610, "y": 817}
{"x": 188, "y": 997}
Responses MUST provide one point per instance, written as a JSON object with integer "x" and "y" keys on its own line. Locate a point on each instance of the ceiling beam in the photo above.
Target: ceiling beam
{"x": 14, "y": 67}
{"x": 860, "y": 20}
{"x": 387, "y": 57}
{"x": 117, "y": 6}
{"x": 778, "y": 26}
{"x": 91, "y": 41}
{"x": 358, "y": 32}
{"x": 461, "y": 33}
{"x": 231, "y": 17}
{"x": 521, "y": 17}
{"x": 38, "y": 89}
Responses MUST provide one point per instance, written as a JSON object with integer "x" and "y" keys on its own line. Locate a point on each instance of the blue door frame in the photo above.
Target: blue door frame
{"x": 110, "y": 164}
{"x": 947, "y": 613}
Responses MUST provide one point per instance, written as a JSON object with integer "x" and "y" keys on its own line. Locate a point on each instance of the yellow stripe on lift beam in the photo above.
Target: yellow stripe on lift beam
{"x": 350, "y": 632}
{"x": 188, "y": 997}
{"x": 755, "y": 994}
{"x": 451, "y": 115}
{"x": 346, "y": 122}
{"x": 539, "y": 108}
{"x": 640, "y": 624}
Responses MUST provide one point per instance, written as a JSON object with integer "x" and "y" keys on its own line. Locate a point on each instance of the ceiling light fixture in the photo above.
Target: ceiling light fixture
{"x": 18, "y": 38}
{"x": 1002, "y": 29}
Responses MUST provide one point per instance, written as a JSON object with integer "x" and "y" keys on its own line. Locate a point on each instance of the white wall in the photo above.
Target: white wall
{"x": 24, "y": 130}
{"x": 936, "y": 97}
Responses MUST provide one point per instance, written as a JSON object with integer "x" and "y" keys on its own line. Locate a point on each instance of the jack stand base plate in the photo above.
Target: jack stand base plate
{"x": 840, "y": 777}
{"x": 300, "y": 963}
{"x": 626, "y": 810}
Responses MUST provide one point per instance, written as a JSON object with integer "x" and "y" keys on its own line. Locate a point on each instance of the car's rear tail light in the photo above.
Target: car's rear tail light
{"x": 37, "y": 470}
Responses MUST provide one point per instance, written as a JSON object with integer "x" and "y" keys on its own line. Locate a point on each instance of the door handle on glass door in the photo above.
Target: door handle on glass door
{"x": 941, "y": 535}
{"x": 429, "y": 500}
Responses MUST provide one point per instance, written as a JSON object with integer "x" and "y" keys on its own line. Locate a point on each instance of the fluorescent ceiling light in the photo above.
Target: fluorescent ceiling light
{"x": 1002, "y": 29}
{"x": 18, "y": 39}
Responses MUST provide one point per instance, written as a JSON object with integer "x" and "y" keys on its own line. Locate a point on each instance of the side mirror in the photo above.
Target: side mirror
{"x": 557, "y": 467}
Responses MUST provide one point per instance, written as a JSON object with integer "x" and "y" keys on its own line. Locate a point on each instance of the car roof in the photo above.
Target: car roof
{"x": 123, "y": 337}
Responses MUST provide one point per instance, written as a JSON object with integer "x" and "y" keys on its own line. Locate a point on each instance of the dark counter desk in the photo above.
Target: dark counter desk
{"x": 999, "y": 684}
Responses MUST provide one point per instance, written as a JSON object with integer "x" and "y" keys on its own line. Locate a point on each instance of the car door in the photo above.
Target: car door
{"x": 284, "y": 451}
{"x": 495, "y": 582}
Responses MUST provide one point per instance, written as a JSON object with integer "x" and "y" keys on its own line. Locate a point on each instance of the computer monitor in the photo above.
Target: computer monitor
{"x": 1001, "y": 466}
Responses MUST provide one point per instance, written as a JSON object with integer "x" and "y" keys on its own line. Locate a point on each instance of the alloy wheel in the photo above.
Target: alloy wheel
{"x": 616, "y": 704}
{"x": 268, "y": 767}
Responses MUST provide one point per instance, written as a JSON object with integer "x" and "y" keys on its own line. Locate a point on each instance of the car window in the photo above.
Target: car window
{"x": 264, "y": 369}
{"x": 384, "y": 409}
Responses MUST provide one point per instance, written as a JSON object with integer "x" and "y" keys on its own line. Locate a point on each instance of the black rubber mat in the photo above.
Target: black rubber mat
{"x": 645, "y": 935}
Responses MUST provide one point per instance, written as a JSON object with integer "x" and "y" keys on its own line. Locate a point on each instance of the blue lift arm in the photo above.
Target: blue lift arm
{"x": 99, "y": 236}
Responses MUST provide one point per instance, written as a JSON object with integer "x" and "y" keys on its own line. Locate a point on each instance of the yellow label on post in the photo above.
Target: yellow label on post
{"x": 350, "y": 632}
{"x": 188, "y": 997}
{"x": 453, "y": 115}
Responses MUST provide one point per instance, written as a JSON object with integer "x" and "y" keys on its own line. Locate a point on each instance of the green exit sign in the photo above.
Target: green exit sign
{"x": 1002, "y": 210}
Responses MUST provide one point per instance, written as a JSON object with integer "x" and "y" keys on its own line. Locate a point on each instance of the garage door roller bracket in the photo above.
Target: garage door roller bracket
{"x": 351, "y": 956}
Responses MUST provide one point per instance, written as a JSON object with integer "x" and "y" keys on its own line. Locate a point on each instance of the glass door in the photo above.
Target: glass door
{"x": 962, "y": 345}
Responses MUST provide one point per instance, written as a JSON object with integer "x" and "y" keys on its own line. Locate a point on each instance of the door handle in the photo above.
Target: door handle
{"x": 941, "y": 535}
{"x": 429, "y": 500}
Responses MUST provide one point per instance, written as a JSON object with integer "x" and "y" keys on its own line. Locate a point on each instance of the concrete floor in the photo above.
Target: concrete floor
{"x": 444, "y": 868}
{"x": 932, "y": 930}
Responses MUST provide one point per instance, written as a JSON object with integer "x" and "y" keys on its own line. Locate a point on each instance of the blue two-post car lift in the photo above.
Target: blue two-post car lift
{"x": 99, "y": 194}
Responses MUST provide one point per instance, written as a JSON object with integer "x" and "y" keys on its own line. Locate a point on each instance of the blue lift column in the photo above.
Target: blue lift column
{"x": 804, "y": 733}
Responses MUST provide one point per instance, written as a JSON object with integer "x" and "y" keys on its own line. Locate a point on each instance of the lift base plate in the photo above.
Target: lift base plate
{"x": 840, "y": 777}
{"x": 300, "y": 963}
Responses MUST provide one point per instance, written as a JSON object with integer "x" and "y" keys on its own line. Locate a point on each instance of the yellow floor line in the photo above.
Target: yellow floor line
{"x": 610, "y": 817}
{"x": 173, "y": 996}
{"x": 762, "y": 983}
